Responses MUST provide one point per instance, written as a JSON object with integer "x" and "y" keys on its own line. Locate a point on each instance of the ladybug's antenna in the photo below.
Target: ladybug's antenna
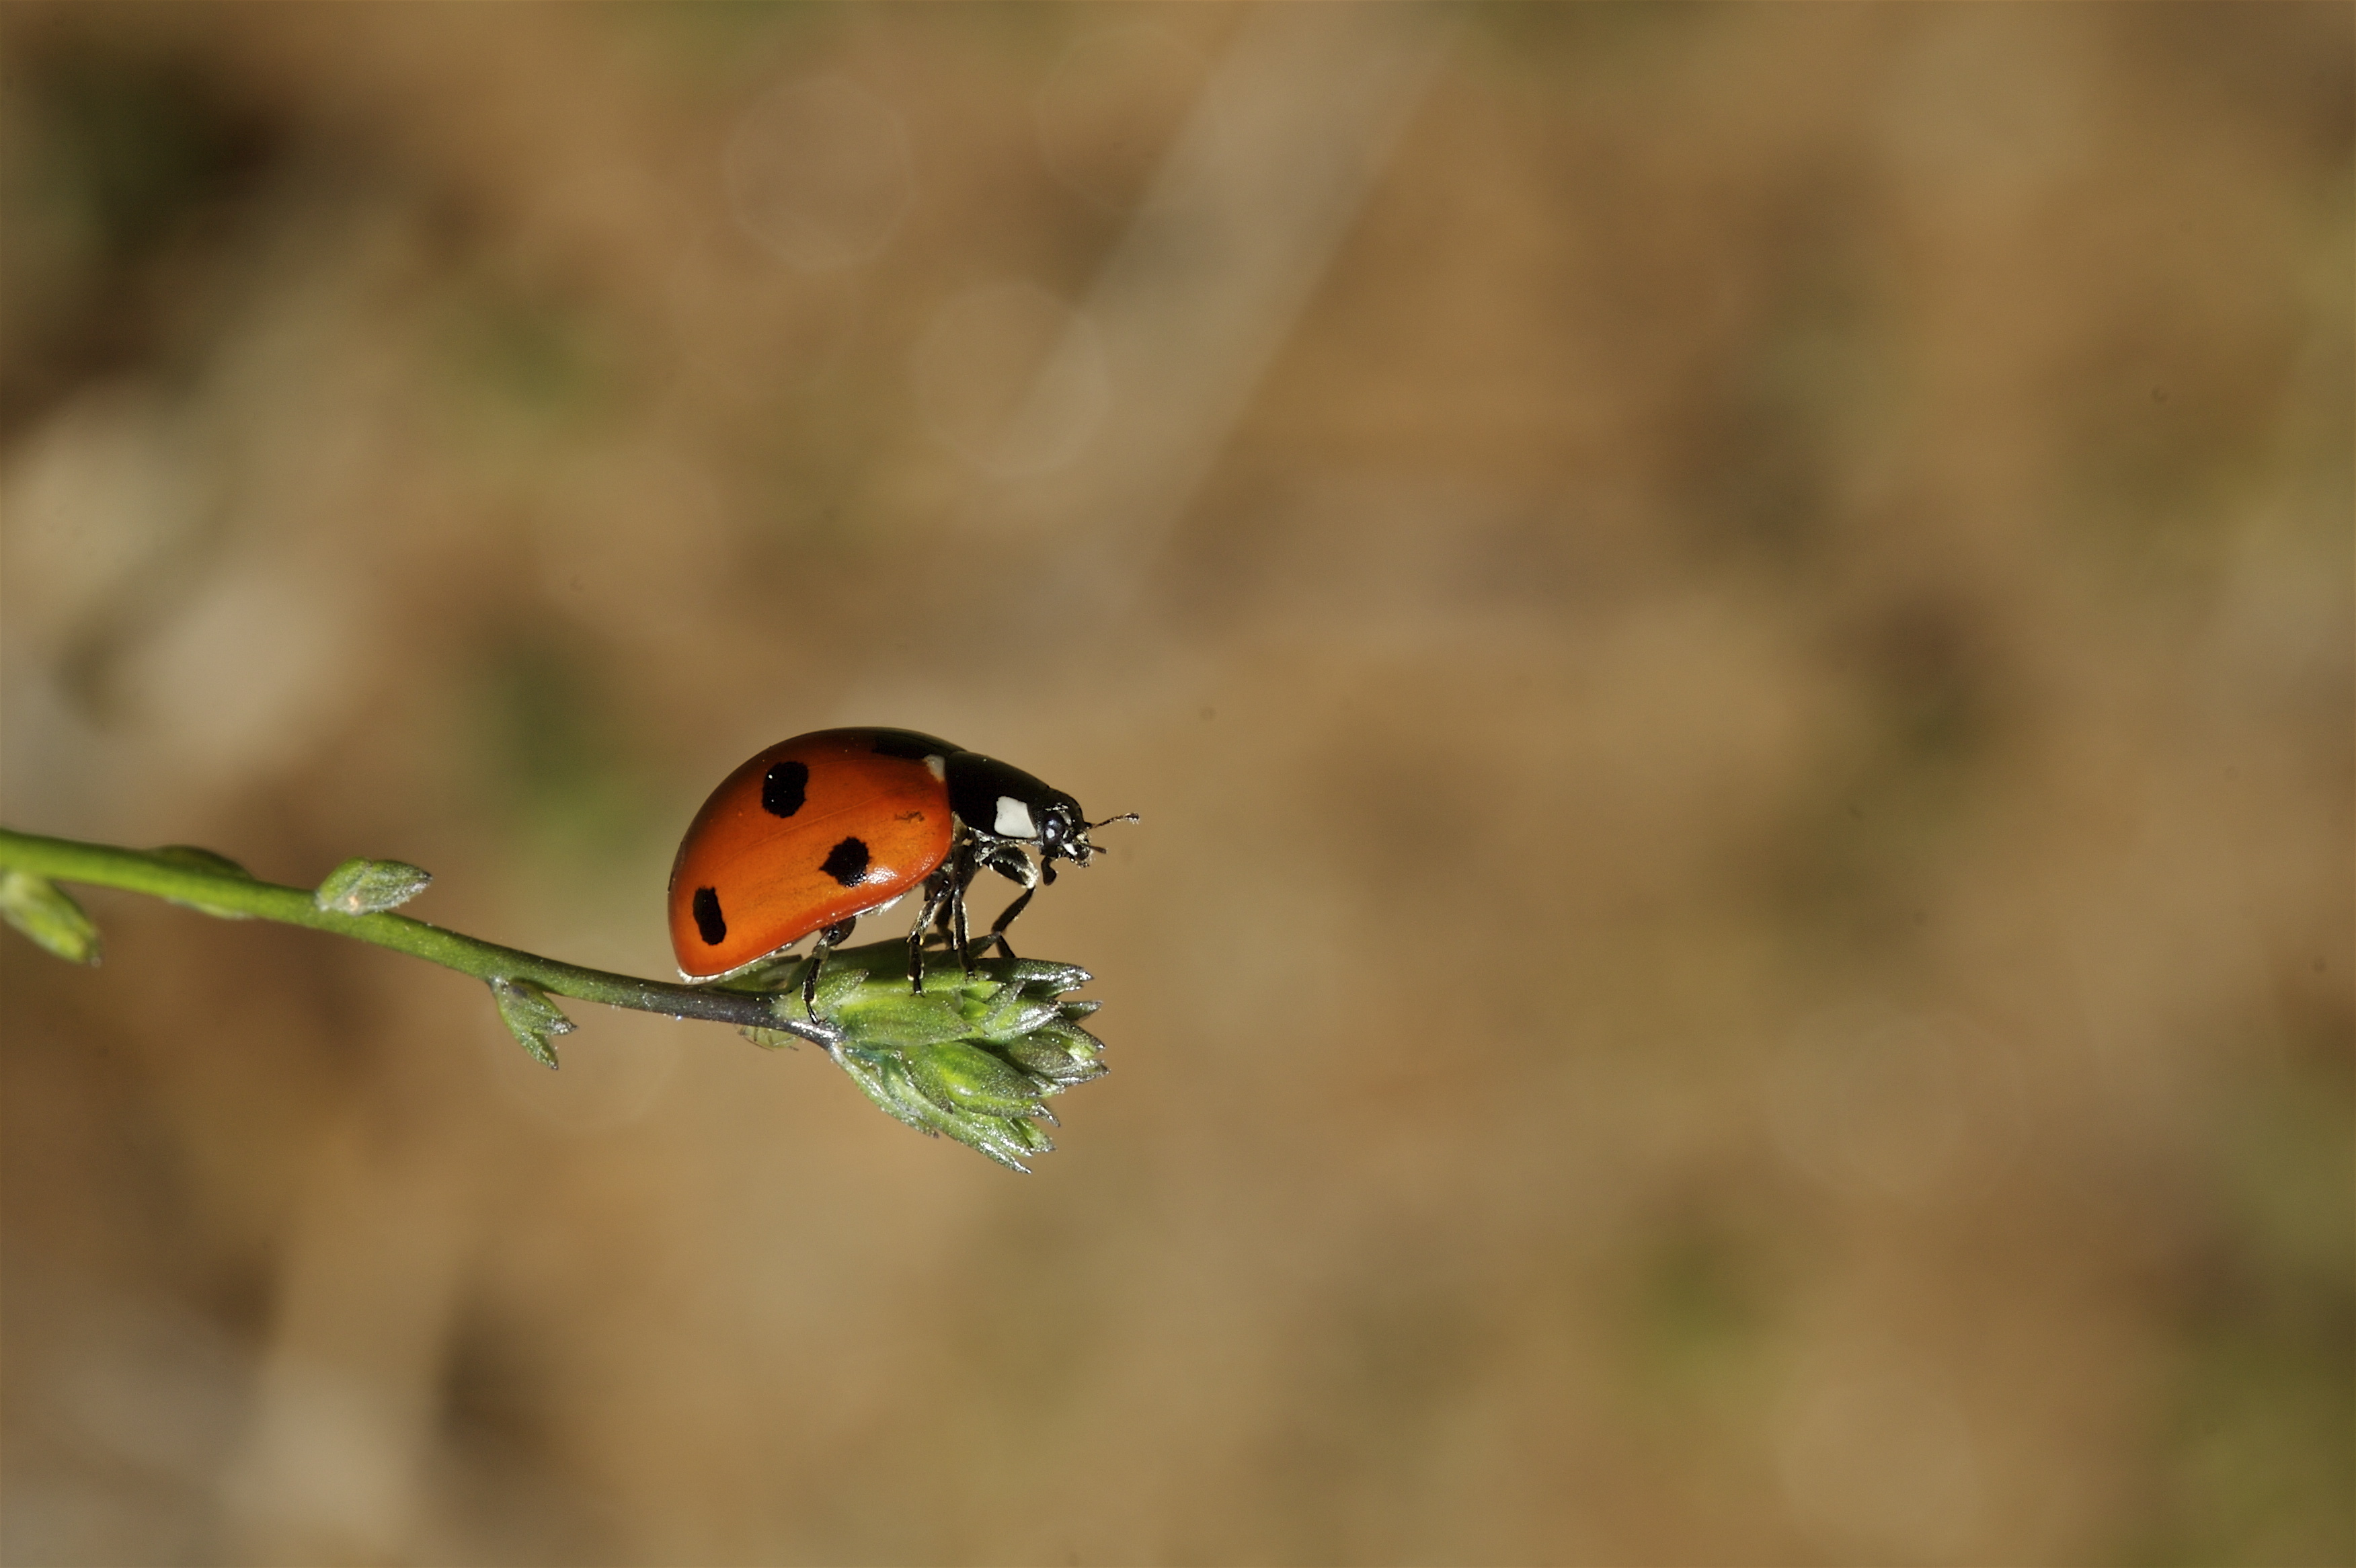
{"x": 1124, "y": 817}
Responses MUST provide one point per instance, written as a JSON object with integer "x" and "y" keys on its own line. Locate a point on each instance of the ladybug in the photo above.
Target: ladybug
{"x": 820, "y": 830}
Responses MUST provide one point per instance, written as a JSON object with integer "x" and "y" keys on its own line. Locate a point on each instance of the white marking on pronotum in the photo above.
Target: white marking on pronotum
{"x": 1013, "y": 819}
{"x": 938, "y": 766}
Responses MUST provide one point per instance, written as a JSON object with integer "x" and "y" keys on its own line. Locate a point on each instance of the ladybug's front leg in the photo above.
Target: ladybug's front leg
{"x": 1015, "y": 866}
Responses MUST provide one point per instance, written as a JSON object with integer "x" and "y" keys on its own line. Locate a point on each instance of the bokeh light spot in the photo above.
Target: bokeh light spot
{"x": 818, "y": 171}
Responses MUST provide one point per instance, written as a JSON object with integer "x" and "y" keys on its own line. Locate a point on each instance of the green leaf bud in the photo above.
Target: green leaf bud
{"x": 531, "y": 1017}
{"x": 35, "y": 906}
{"x": 367, "y": 887}
{"x": 192, "y": 857}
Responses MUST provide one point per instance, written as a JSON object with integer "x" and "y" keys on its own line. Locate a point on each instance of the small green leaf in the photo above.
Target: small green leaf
{"x": 190, "y": 857}
{"x": 888, "y": 1010}
{"x": 1011, "y": 1016}
{"x": 198, "y": 859}
{"x": 34, "y": 906}
{"x": 531, "y": 1017}
{"x": 367, "y": 887}
{"x": 883, "y": 1077}
{"x": 1052, "y": 978}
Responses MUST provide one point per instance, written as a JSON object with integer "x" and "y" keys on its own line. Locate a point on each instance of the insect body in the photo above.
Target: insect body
{"x": 821, "y": 829}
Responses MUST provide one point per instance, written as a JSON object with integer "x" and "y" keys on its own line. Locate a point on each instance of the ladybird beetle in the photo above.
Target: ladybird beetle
{"x": 820, "y": 830}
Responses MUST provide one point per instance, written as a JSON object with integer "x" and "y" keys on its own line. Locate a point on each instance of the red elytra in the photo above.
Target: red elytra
{"x": 810, "y": 832}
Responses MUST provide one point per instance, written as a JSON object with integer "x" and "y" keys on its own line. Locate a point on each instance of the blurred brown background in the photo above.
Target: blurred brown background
{"x": 1732, "y": 626}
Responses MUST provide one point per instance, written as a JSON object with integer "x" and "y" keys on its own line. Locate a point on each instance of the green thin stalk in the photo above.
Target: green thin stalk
{"x": 226, "y": 892}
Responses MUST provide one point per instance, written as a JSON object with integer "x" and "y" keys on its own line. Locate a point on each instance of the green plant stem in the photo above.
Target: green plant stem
{"x": 108, "y": 865}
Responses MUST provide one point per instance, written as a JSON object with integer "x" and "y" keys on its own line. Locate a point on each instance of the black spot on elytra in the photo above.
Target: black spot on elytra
{"x": 846, "y": 862}
{"x": 709, "y": 923}
{"x": 785, "y": 789}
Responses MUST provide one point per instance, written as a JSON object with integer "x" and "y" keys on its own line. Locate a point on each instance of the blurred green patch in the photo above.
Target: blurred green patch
{"x": 724, "y": 37}
{"x": 548, "y": 739}
{"x": 1697, "y": 1311}
{"x": 526, "y": 365}
{"x": 2259, "y": 1457}
{"x": 1608, "y": 39}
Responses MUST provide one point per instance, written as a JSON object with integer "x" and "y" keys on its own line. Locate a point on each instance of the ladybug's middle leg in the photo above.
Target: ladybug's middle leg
{"x": 956, "y": 916}
{"x": 963, "y": 865}
{"x": 933, "y": 912}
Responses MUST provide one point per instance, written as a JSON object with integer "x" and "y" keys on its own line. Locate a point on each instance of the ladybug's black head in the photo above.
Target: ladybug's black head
{"x": 1065, "y": 833}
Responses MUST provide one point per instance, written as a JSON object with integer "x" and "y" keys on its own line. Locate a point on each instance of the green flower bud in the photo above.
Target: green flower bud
{"x": 973, "y": 1057}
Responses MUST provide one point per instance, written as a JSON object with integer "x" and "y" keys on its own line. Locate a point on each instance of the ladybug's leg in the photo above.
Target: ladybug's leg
{"x": 1006, "y": 919}
{"x": 935, "y": 912}
{"x": 956, "y": 914}
{"x": 917, "y": 941}
{"x": 826, "y": 940}
{"x": 956, "y": 874}
{"x": 1015, "y": 866}
{"x": 959, "y": 872}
